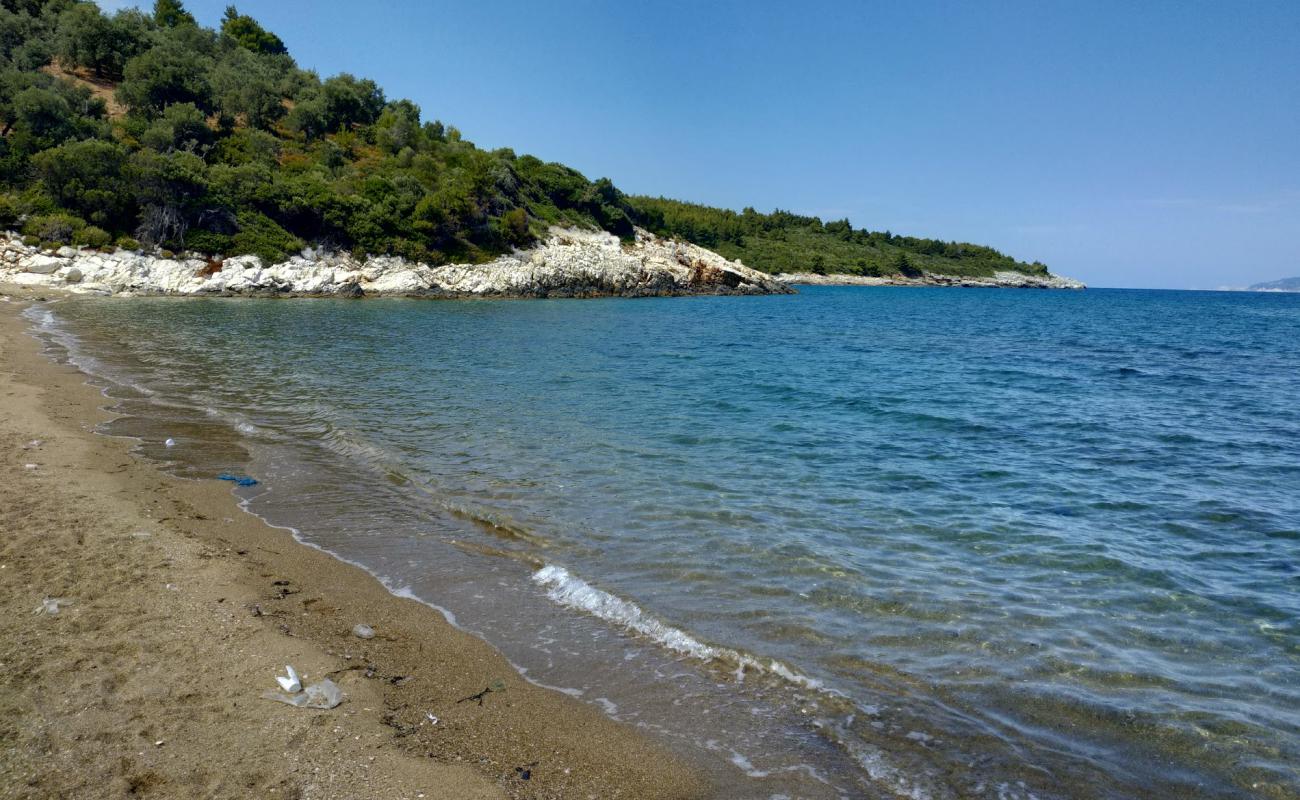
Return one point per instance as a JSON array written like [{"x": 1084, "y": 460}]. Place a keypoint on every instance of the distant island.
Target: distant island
[
  {"x": 148, "y": 133},
  {"x": 1283, "y": 285}
]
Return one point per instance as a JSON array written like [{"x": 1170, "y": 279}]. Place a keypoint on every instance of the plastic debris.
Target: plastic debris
[
  {"x": 363, "y": 631},
  {"x": 170, "y": 442},
  {"x": 291, "y": 682},
  {"x": 237, "y": 480},
  {"x": 50, "y": 605},
  {"x": 29, "y": 466},
  {"x": 432, "y": 719},
  {"x": 323, "y": 695}
]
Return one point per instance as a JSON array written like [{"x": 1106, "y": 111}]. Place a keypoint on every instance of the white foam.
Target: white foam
[
  {"x": 746, "y": 766},
  {"x": 573, "y": 592}
]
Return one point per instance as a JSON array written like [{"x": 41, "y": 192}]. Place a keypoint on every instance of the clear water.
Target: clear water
[{"x": 855, "y": 542}]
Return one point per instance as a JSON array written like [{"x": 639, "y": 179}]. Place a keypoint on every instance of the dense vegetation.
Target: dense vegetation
[
  {"x": 785, "y": 242},
  {"x": 147, "y": 129}
]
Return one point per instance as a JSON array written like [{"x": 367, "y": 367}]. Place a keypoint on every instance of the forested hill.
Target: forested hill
[
  {"x": 147, "y": 129},
  {"x": 785, "y": 242}
]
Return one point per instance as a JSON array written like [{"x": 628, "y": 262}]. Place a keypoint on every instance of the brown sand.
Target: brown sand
[{"x": 184, "y": 608}]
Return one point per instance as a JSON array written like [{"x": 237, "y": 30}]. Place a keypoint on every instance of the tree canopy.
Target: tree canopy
[{"x": 146, "y": 126}]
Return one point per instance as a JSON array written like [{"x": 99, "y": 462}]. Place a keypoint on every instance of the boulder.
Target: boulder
[{"x": 43, "y": 264}]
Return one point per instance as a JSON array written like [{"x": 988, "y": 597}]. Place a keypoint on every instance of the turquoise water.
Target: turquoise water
[{"x": 854, "y": 542}]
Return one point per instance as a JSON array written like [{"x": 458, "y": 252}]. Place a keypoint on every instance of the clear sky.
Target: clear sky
[{"x": 1151, "y": 144}]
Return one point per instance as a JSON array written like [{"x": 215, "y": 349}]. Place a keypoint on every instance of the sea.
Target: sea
[{"x": 877, "y": 542}]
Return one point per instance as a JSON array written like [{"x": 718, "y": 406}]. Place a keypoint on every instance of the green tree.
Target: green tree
[
  {"x": 87, "y": 38},
  {"x": 181, "y": 127},
  {"x": 903, "y": 266},
  {"x": 87, "y": 177},
  {"x": 246, "y": 88},
  {"x": 171, "y": 14},
  {"x": 338, "y": 103},
  {"x": 398, "y": 126},
  {"x": 44, "y": 115},
  {"x": 171, "y": 187},
  {"x": 165, "y": 75},
  {"x": 247, "y": 33}
]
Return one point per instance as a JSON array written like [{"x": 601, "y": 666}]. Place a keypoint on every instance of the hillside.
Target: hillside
[
  {"x": 785, "y": 242},
  {"x": 1283, "y": 285},
  {"x": 148, "y": 130}
]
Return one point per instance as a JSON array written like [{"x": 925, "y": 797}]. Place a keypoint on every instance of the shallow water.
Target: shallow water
[{"x": 854, "y": 542}]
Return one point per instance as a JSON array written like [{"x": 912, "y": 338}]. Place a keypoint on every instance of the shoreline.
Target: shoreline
[
  {"x": 999, "y": 280},
  {"x": 150, "y": 681},
  {"x": 569, "y": 263}
]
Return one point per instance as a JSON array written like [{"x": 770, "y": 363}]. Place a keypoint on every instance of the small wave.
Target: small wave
[{"x": 573, "y": 592}]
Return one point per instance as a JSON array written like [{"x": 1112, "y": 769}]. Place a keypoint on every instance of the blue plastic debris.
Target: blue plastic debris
[{"x": 237, "y": 480}]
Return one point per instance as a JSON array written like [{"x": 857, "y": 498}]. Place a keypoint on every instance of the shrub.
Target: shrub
[
  {"x": 58, "y": 228},
  {"x": 8, "y": 211},
  {"x": 32, "y": 241},
  {"x": 87, "y": 177},
  {"x": 513, "y": 227},
  {"x": 208, "y": 242},
  {"x": 90, "y": 236},
  {"x": 167, "y": 74},
  {"x": 167, "y": 254},
  {"x": 261, "y": 236},
  {"x": 127, "y": 243}
]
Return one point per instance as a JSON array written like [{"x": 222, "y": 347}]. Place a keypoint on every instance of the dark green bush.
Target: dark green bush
[
  {"x": 261, "y": 236},
  {"x": 203, "y": 241},
  {"x": 8, "y": 212},
  {"x": 58, "y": 228},
  {"x": 127, "y": 243},
  {"x": 91, "y": 236}
]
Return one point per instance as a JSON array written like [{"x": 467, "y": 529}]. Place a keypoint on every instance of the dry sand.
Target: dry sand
[{"x": 183, "y": 609}]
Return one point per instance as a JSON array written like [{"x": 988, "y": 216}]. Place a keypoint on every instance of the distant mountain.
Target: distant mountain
[{"x": 1284, "y": 285}]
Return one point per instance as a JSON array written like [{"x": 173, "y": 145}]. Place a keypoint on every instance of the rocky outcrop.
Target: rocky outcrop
[
  {"x": 1000, "y": 280},
  {"x": 569, "y": 263}
]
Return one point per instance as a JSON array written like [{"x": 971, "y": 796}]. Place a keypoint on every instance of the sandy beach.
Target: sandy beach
[{"x": 178, "y": 612}]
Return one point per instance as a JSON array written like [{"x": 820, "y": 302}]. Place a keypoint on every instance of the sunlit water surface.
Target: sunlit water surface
[{"x": 884, "y": 542}]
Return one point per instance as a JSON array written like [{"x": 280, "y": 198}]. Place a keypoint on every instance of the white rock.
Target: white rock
[
  {"x": 43, "y": 264},
  {"x": 570, "y": 262}
]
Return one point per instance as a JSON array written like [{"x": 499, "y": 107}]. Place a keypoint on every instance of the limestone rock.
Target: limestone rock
[
  {"x": 1001, "y": 280},
  {"x": 43, "y": 264},
  {"x": 569, "y": 263}
]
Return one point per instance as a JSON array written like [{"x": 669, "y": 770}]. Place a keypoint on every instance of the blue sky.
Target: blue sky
[{"x": 1152, "y": 144}]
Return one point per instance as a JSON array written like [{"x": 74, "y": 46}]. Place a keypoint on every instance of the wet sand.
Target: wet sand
[{"x": 182, "y": 609}]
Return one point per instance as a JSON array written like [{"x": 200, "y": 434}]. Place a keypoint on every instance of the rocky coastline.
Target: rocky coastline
[
  {"x": 569, "y": 263},
  {"x": 999, "y": 280}
]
